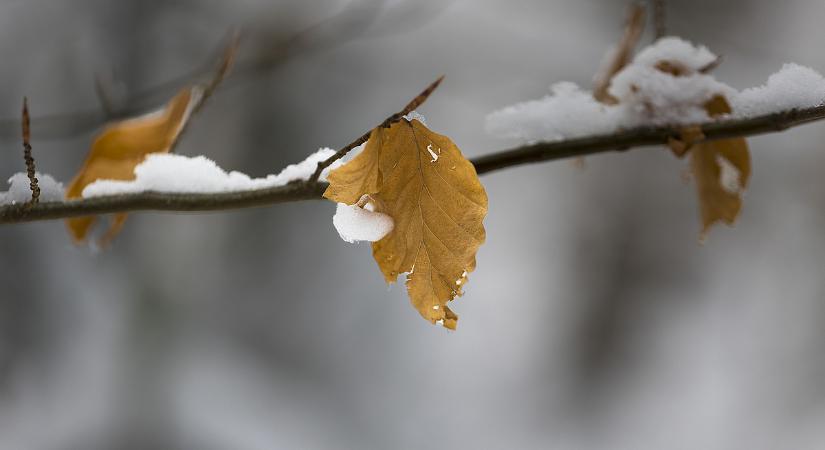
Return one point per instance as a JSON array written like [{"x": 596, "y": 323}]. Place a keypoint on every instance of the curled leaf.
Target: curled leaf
[{"x": 122, "y": 145}]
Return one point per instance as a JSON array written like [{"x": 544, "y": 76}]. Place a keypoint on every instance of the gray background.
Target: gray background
[{"x": 594, "y": 319}]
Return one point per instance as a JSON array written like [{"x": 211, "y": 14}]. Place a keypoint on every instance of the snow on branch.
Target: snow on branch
[
  {"x": 658, "y": 94},
  {"x": 164, "y": 172},
  {"x": 300, "y": 190},
  {"x": 666, "y": 84}
]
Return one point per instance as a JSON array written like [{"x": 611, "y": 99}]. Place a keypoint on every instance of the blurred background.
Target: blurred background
[{"x": 594, "y": 320}]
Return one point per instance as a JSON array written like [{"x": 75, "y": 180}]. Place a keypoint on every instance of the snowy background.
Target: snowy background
[{"x": 594, "y": 319}]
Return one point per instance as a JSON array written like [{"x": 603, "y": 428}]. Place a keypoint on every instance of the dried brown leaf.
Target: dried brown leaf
[
  {"x": 432, "y": 192},
  {"x": 721, "y": 169},
  {"x": 123, "y": 145}
]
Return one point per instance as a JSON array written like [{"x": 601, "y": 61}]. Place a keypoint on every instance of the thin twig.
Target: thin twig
[
  {"x": 659, "y": 23},
  {"x": 307, "y": 190},
  {"x": 104, "y": 95},
  {"x": 711, "y": 66},
  {"x": 411, "y": 106},
  {"x": 221, "y": 71},
  {"x": 27, "y": 156},
  {"x": 224, "y": 66}
]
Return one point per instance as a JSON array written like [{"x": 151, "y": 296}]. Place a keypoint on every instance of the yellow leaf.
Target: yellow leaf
[
  {"x": 421, "y": 180},
  {"x": 123, "y": 145},
  {"x": 721, "y": 169}
]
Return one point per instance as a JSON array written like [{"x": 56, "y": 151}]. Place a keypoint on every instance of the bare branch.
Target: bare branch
[{"x": 307, "y": 190}]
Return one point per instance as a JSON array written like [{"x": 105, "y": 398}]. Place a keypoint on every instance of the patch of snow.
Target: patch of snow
[
  {"x": 161, "y": 172},
  {"x": 414, "y": 115},
  {"x": 305, "y": 168},
  {"x": 348, "y": 157},
  {"x": 360, "y": 224},
  {"x": 794, "y": 86},
  {"x": 649, "y": 96},
  {"x": 675, "y": 49},
  {"x": 20, "y": 192},
  {"x": 567, "y": 112},
  {"x": 728, "y": 176}
]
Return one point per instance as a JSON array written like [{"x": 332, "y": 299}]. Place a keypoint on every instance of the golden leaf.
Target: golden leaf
[
  {"x": 721, "y": 169},
  {"x": 123, "y": 145},
  {"x": 421, "y": 180}
]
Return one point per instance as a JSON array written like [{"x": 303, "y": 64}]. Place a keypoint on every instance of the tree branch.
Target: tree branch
[
  {"x": 637, "y": 137},
  {"x": 306, "y": 190}
]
